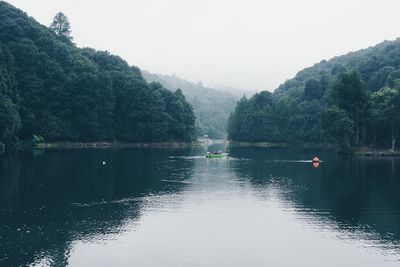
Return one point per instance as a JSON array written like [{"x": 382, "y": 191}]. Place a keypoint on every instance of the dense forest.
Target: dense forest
[
  {"x": 348, "y": 101},
  {"x": 211, "y": 106},
  {"x": 51, "y": 89}
]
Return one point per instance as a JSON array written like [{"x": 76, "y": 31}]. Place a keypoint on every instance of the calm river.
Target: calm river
[{"x": 173, "y": 207}]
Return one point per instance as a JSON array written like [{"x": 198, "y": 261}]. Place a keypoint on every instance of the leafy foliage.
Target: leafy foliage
[
  {"x": 258, "y": 119},
  {"x": 349, "y": 94},
  {"x": 61, "y": 27},
  {"x": 350, "y": 100},
  {"x": 385, "y": 110},
  {"x": 337, "y": 126},
  {"x": 51, "y": 88}
]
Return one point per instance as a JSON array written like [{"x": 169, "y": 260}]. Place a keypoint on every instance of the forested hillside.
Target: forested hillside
[
  {"x": 351, "y": 100},
  {"x": 51, "y": 88},
  {"x": 211, "y": 107}
]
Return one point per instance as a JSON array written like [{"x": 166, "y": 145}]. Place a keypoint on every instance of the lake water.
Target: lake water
[{"x": 165, "y": 207}]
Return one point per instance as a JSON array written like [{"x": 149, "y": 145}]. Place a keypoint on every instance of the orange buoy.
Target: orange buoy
[{"x": 315, "y": 159}]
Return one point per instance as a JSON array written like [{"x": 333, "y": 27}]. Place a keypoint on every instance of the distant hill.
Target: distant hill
[
  {"x": 211, "y": 107},
  {"x": 378, "y": 66},
  {"x": 50, "y": 88},
  {"x": 350, "y": 100}
]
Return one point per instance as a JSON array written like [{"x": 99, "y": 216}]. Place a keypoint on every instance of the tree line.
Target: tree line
[
  {"x": 349, "y": 101},
  {"x": 51, "y": 88}
]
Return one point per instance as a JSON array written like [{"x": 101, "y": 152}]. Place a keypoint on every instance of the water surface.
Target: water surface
[{"x": 162, "y": 207}]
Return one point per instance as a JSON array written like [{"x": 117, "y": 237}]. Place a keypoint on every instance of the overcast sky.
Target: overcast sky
[{"x": 249, "y": 44}]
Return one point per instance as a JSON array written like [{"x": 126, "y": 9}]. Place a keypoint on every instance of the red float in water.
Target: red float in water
[{"x": 315, "y": 159}]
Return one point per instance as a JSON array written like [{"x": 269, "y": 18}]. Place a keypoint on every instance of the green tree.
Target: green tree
[
  {"x": 256, "y": 119},
  {"x": 237, "y": 119},
  {"x": 262, "y": 120},
  {"x": 304, "y": 122},
  {"x": 313, "y": 90},
  {"x": 9, "y": 120},
  {"x": 61, "y": 27},
  {"x": 385, "y": 112},
  {"x": 348, "y": 93},
  {"x": 337, "y": 126}
]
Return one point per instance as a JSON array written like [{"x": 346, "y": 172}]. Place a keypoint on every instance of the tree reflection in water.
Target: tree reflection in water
[
  {"x": 49, "y": 199},
  {"x": 359, "y": 195}
]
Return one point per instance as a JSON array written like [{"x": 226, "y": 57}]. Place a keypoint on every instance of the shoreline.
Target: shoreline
[
  {"x": 374, "y": 152},
  {"x": 117, "y": 144},
  {"x": 278, "y": 144},
  {"x": 258, "y": 144},
  {"x": 356, "y": 151},
  {"x": 108, "y": 145},
  {"x": 362, "y": 151}
]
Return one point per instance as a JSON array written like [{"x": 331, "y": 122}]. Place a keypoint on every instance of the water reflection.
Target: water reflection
[
  {"x": 159, "y": 207},
  {"x": 52, "y": 198},
  {"x": 358, "y": 196}
]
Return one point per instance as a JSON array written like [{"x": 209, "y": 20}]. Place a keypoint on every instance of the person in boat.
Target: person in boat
[{"x": 214, "y": 153}]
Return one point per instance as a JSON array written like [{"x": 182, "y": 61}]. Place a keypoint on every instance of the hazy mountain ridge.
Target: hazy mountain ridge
[{"x": 212, "y": 107}]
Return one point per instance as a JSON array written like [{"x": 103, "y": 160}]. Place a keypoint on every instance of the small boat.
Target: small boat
[{"x": 216, "y": 155}]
